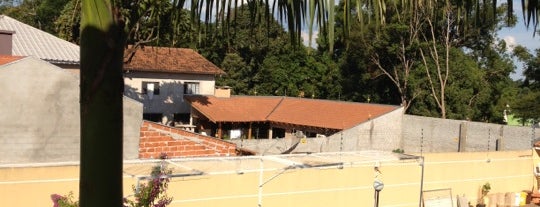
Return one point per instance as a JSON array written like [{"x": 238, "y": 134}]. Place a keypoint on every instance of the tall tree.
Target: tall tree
[
  {"x": 38, "y": 13},
  {"x": 441, "y": 59},
  {"x": 526, "y": 104}
]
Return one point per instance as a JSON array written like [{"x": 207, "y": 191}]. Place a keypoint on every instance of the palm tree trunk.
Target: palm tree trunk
[{"x": 101, "y": 87}]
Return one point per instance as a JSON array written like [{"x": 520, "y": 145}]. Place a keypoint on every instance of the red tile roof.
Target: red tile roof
[
  {"x": 288, "y": 110},
  {"x": 8, "y": 58},
  {"x": 157, "y": 139},
  {"x": 170, "y": 60},
  {"x": 234, "y": 109}
]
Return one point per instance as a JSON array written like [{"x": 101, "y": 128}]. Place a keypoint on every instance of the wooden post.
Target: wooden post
[
  {"x": 220, "y": 131},
  {"x": 270, "y": 133},
  {"x": 249, "y": 131}
]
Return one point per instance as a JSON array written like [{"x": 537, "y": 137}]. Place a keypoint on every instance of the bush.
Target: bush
[
  {"x": 64, "y": 201},
  {"x": 152, "y": 193}
]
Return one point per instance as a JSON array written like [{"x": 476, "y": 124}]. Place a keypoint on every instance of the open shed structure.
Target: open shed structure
[{"x": 278, "y": 117}]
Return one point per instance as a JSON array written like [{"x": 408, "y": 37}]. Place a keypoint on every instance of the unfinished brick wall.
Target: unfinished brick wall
[{"x": 157, "y": 139}]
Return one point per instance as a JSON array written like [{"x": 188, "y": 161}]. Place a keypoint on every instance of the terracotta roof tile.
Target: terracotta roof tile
[
  {"x": 325, "y": 113},
  {"x": 235, "y": 108},
  {"x": 170, "y": 60},
  {"x": 8, "y": 58},
  {"x": 297, "y": 111}
]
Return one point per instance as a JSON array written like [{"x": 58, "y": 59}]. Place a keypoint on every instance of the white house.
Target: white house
[{"x": 160, "y": 77}]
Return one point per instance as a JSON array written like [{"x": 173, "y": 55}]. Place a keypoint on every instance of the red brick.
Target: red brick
[
  {"x": 151, "y": 133},
  {"x": 144, "y": 155},
  {"x": 160, "y": 139},
  {"x": 189, "y": 147},
  {"x": 176, "y": 143}
]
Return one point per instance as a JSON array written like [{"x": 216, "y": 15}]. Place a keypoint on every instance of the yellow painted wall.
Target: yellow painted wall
[{"x": 463, "y": 173}]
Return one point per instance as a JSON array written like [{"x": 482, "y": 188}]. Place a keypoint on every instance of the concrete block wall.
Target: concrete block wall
[
  {"x": 39, "y": 113},
  {"x": 157, "y": 139},
  {"x": 40, "y": 120},
  {"x": 426, "y": 134},
  {"x": 516, "y": 137},
  {"x": 275, "y": 146},
  {"x": 483, "y": 136},
  {"x": 379, "y": 133},
  {"x": 133, "y": 113}
]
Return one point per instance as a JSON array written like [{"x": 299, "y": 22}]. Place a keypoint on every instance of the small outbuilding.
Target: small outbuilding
[{"x": 270, "y": 117}]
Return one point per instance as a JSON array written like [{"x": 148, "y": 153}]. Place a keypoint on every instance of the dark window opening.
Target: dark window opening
[
  {"x": 191, "y": 88},
  {"x": 278, "y": 133},
  {"x": 150, "y": 86},
  {"x": 155, "y": 117},
  {"x": 181, "y": 118}
]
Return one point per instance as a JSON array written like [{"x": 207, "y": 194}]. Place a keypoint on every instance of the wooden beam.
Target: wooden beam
[
  {"x": 220, "y": 130},
  {"x": 249, "y": 131}
]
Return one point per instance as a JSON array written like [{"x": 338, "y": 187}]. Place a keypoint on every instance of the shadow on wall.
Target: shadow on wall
[
  {"x": 166, "y": 93},
  {"x": 162, "y": 101},
  {"x": 163, "y": 97}
]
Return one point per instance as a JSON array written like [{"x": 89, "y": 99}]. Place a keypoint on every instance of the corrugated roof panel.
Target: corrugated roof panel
[{"x": 30, "y": 41}]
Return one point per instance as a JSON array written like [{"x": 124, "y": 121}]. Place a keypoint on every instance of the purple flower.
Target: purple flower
[{"x": 55, "y": 198}]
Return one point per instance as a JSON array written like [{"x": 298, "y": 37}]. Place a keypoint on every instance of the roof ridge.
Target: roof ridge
[{"x": 274, "y": 109}]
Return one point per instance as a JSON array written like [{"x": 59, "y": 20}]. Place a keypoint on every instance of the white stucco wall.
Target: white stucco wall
[{"x": 170, "y": 99}]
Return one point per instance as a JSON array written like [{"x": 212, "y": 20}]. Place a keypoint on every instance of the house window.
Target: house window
[
  {"x": 191, "y": 88},
  {"x": 150, "y": 86}
]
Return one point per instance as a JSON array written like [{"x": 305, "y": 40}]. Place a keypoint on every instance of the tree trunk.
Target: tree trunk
[{"x": 101, "y": 87}]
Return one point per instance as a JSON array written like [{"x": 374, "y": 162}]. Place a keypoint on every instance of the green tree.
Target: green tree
[
  {"x": 237, "y": 74},
  {"x": 38, "y": 13},
  {"x": 526, "y": 106},
  {"x": 531, "y": 69},
  {"x": 261, "y": 60},
  {"x": 526, "y": 103},
  {"x": 155, "y": 22}
]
